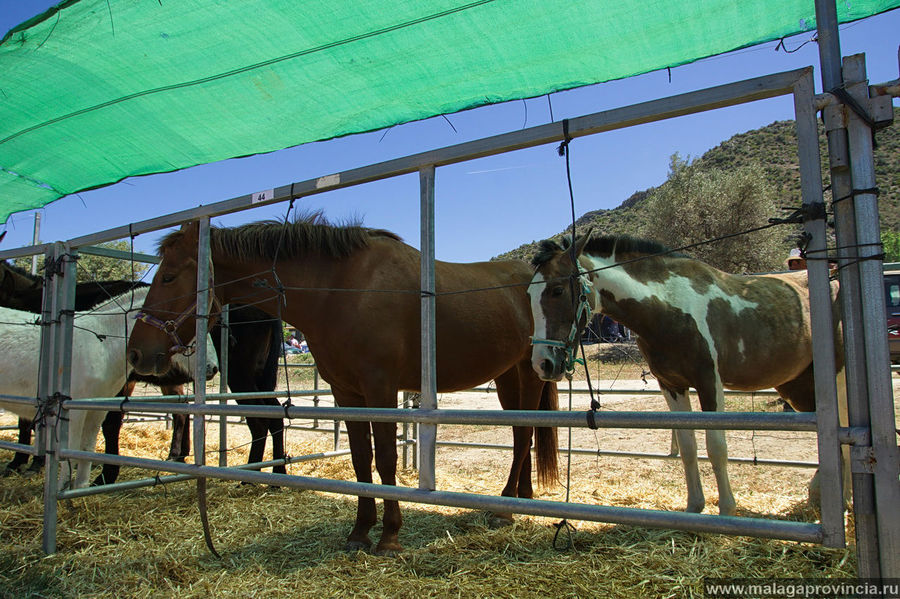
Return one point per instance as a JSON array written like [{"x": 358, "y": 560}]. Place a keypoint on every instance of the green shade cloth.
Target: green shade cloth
[{"x": 93, "y": 91}]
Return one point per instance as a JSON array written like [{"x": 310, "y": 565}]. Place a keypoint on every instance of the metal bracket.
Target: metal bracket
[{"x": 862, "y": 460}]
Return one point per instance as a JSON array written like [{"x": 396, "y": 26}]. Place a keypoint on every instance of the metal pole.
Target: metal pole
[
  {"x": 58, "y": 379},
  {"x": 851, "y": 296},
  {"x": 427, "y": 432},
  {"x": 882, "y": 456},
  {"x": 223, "y": 384},
  {"x": 47, "y": 438},
  {"x": 203, "y": 291},
  {"x": 822, "y": 324},
  {"x": 405, "y": 434},
  {"x": 36, "y": 239}
]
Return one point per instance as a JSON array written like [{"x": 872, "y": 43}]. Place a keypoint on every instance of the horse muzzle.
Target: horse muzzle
[
  {"x": 549, "y": 362},
  {"x": 149, "y": 365}
]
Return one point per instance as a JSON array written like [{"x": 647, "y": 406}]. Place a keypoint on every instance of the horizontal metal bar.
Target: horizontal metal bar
[
  {"x": 703, "y": 523},
  {"x": 767, "y": 392},
  {"x": 19, "y": 400},
  {"x": 188, "y": 397},
  {"x": 730, "y": 94},
  {"x": 18, "y": 447},
  {"x": 796, "y": 421},
  {"x": 633, "y": 454},
  {"x": 25, "y": 250},
  {"x": 118, "y": 254},
  {"x": 163, "y": 480}
]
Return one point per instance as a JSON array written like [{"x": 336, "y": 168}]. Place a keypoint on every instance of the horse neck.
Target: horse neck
[
  {"x": 620, "y": 291},
  {"x": 253, "y": 282}
]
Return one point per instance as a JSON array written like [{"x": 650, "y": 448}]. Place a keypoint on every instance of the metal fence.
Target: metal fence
[{"x": 871, "y": 411}]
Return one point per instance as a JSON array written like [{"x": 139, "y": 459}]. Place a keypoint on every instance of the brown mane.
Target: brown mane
[{"x": 265, "y": 239}]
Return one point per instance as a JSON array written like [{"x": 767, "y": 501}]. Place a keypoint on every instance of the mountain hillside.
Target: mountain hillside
[{"x": 774, "y": 148}]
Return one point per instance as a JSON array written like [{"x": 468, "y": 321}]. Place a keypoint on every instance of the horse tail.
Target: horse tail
[{"x": 546, "y": 445}]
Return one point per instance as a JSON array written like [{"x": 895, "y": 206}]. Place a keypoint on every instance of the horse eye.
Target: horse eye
[
  {"x": 168, "y": 278},
  {"x": 556, "y": 291}
]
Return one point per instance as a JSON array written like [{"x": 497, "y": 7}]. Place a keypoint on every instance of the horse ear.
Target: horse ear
[
  {"x": 191, "y": 229},
  {"x": 582, "y": 241}
]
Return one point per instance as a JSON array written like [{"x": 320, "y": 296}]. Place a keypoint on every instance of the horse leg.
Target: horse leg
[
  {"x": 259, "y": 430},
  {"x": 712, "y": 398},
  {"x": 520, "y": 469},
  {"x": 83, "y": 429},
  {"x": 385, "y": 434},
  {"x": 717, "y": 450},
  {"x": 678, "y": 401},
  {"x": 361, "y": 456},
  {"x": 276, "y": 430},
  {"x": 112, "y": 426},
  {"x": 20, "y": 459},
  {"x": 180, "y": 446}
]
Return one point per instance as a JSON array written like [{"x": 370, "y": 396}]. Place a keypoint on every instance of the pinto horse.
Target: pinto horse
[
  {"x": 696, "y": 327},
  {"x": 254, "y": 341},
  {"x": 354, "y": 292}
]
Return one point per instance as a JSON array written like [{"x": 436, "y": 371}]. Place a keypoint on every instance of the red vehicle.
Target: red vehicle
[{"x": 892, "y": 301}]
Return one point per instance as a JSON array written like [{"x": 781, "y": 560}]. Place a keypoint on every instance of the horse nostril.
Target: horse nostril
[
  {"x": 547, "y": 365},
  {"x": 134, "y": 356}
]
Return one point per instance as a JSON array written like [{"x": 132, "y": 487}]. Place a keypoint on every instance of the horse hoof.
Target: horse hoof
[
  {"x": 175, "y": 458},
  {"x": 388, "y": 549},
  {"x": 727, "y": 509},
  {"x": 500, "y": 520},
  {"x": 354, "y": 546}
]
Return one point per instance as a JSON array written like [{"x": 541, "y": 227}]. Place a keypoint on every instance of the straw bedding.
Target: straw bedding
[{"x": 286, "y": 543}]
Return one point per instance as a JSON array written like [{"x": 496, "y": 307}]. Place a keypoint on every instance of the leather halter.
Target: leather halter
[
  {"x": 583, "y": 309},
  {"x": 170, "y": 327}
]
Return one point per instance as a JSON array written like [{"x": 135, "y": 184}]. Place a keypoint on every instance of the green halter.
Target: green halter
[{"x": 583, "y": 309}]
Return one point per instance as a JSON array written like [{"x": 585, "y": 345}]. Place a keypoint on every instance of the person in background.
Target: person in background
[{"x": 795, "y": 261}]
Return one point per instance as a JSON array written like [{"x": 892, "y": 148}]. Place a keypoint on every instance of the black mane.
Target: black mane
[{"x": 603, "y": 245}]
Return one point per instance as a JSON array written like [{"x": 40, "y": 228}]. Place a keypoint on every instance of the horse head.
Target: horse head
[
  {"x": 560, "y": 307},
  {"x": 166, "y": 324}
]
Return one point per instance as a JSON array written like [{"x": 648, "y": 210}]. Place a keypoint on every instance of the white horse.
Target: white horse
[{"x": 99, "y": 367}]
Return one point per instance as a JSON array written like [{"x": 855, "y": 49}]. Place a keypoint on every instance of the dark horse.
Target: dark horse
[
  {"x": 696, "y": 326},
  {"x": 254, "y": 346},
  {"x": 481, "y": 335}
]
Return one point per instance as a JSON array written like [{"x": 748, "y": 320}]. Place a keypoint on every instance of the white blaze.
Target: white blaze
[{"x": 536, "y": 290}]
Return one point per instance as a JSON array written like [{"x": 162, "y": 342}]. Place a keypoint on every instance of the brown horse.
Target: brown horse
[
  {"x": 354, "y": 292},
  {"x": 696, "y": 326}
]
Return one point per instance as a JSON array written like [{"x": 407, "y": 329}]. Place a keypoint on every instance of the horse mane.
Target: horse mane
[
  {"x": 119, "y": 303},
  {"x": 603, "y": 245},
  {"x": 19, "y": 270},
  {"x": 268, "y": 238}
]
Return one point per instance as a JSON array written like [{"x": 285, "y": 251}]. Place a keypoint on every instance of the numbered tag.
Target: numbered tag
[{"x": 262, "y": 196}]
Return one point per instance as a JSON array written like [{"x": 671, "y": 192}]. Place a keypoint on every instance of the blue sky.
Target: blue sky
[{"x": 484, "y": 207}]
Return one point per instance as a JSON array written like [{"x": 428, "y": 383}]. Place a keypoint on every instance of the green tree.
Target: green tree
[
  {"x": 99, "y": 268},
  {"x": 890, "y": 240},
  {"x": 697, "y": 205}
]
